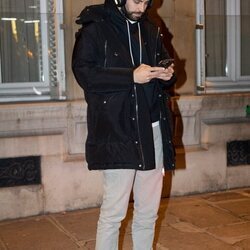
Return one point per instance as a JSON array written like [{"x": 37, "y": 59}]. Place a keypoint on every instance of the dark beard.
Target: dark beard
[{"x": 130, "y": 15}]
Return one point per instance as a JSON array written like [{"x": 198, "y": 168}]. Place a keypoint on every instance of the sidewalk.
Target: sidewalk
[{"x": 208, "y": 221}]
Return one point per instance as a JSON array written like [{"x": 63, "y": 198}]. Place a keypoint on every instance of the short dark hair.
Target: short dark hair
[{"x": 121, "y": 3}]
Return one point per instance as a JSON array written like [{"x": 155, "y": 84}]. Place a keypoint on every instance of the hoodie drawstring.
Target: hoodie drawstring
[{"x": 130, "y": 45}]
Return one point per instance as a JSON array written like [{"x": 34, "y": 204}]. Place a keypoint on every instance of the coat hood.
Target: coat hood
[{"x": 97, "y": 13}]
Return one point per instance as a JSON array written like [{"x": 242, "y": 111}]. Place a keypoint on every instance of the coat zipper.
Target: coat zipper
[
  {"x": 105, "y": 53},
  {"x": 136, "y": 107},
  {"x": 157, "y": 35},
  {"x": 138, "y": 127}
]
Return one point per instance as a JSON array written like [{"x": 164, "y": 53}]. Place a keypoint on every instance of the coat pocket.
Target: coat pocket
[{"x": 109, "y": 117}]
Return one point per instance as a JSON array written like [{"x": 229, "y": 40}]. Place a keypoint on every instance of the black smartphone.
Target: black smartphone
[{"x": 166, "y": 62}]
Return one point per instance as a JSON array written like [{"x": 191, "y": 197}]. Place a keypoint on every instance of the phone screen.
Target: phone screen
[{"x": 166, "y": 62}]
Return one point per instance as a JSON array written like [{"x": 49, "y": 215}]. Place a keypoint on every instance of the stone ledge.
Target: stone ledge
[
  {"x": 36, "y": 120},
  {"x": 228, "y": 120}
]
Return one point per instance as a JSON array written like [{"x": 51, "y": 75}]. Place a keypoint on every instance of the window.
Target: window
[
  {"x": 31, "y": 50},
  {"x": 223, "y": 38}
]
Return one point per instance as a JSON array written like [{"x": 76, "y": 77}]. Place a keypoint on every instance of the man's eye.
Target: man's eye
[{"x": 140, "y": 1}]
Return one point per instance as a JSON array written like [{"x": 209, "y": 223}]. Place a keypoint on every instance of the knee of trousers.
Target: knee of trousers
[
  {"x": 111, "y": 217},
  {"x": 145, "y": 220}
]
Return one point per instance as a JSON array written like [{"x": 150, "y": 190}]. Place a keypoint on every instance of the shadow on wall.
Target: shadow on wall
[
  {"x": 181, "y": 79},
  {"x": 167, "y": 40}
]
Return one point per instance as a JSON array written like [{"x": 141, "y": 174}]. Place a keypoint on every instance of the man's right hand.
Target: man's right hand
[{"x": 145, "y": 73}]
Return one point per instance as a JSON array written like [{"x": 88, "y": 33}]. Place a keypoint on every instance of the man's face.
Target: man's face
[{"x": 135, "y": 9}]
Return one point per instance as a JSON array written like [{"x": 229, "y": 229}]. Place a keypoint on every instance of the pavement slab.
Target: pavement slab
[
  {"x": 244, "y": 244},
  {"x": 35, "y": 234},
  {"x": 224, "y": 196},
  {"x": 174, "y": 239},
  {"x": 81, "y": 224},
  {"x": 202, "y": 215},
  {"x": 246, "y": 217},
  {"x": 125, "y": 242},
  {"x": 187, "y": 228},
  {"x": 232, "y": 233},
  {"x": 199, "y": 222},
  {"x": 246, "y": 191},
  {"x": 89, "y": 245},
  {"x": 166, "y": 218},
  {"x": 240, "y": 208}
]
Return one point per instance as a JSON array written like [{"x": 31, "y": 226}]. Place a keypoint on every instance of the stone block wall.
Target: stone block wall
[{"x": 56, "y": 131}]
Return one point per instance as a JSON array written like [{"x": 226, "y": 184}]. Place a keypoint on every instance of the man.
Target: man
[{"x": 129, "y": 136}]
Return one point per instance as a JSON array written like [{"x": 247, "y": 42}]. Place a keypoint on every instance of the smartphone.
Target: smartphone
[{"x": 166, "y": 62}]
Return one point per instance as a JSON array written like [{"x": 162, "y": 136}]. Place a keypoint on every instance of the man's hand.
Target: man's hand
[{"x": 145, "y": 73}]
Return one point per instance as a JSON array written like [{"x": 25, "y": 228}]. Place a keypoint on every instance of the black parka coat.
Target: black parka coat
[{"x": 120, "y": 134}]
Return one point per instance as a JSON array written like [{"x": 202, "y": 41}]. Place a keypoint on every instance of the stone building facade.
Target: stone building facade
[{"x": 55, "y": 131}]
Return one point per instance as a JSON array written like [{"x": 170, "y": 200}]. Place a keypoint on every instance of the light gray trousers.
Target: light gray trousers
[{"x": 147, "y": 188}]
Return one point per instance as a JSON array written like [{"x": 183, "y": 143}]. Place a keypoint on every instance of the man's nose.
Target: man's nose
[{"x": 142, "y": 7}]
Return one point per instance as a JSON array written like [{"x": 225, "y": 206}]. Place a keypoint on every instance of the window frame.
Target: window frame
[
  {"x": 233, "y": 82},
  {"x": 46, "y": 89}
]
